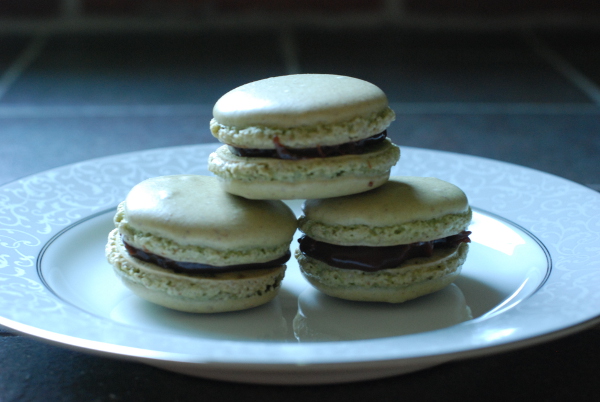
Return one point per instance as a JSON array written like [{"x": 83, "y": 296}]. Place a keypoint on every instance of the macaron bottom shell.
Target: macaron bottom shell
[
  {"x": 414, "y": 278},
  {"x": 211, "y": 293},
  {"x": 303, "y": 189},
  {"x": 271, "y": 178}
]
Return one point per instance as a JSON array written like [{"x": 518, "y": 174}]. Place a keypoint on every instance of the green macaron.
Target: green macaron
[
  {"x": 400, "y": 241},
  {"x": 303, "y": 136},
  {"x": 182, "y": 242}
]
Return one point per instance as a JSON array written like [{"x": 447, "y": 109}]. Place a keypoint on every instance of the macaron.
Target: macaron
[
  {"x": 403, "y": 240},
  {"x": 303, "y": 136},
  {"x": 183, "y": 243}
]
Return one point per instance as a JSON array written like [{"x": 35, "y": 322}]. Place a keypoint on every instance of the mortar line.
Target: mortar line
[
  {"x": 75, "y": 111},
  {"x": 23, "y": 60},
  {"x": 289, "y": 51},
  {"x": 487, "y": 108},
  {"x": 561, "y": 65},
  {"x": 406, "y": 108}
]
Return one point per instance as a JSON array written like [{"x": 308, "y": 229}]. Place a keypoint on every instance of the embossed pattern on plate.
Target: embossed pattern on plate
[{"x": 562, "y": 215}]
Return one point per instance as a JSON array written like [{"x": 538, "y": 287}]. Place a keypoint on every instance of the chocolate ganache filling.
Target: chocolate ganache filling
[
  {"x": 370, "y": 259},
  {"x": 283, "y": 152},
  {"x": 197, "y": 268}
]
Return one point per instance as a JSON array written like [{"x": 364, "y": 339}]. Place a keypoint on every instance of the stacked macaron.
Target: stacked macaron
[
  {"x": 303, "y": 136},
  {"x": 400, "y": 241},
  {"x": 323, "y": 138},
  {"x": 213, "y": 244},
  {"x": 183, "y": 243}
]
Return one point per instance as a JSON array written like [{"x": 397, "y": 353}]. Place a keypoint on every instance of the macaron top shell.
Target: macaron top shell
[
  {"x": 301, "y": 110},
  {"x": 194, "y": 210},
  {"x": 400, "y": 200},
  {"x": 404, "y": 210},
  {"x": 298, "y": 100}
]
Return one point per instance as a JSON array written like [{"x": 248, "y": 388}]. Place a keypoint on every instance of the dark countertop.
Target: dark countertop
[{"x": 529, "y": 98}]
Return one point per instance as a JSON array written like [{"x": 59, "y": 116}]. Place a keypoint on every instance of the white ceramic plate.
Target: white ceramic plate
[{"x": 533, "y": 274}]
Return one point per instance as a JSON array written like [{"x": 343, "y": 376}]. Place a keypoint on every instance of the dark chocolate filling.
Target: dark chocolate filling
[
  {"x": 196, "y": 268},
  {"x": 283, "y": 152},
  {"x": 372, "y": 259}
]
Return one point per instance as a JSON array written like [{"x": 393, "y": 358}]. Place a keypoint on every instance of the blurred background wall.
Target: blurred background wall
[{"x": 19, "y": 15}]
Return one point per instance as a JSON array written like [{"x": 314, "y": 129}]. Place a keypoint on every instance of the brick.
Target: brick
[
  {"x": 143, "y": 7},
  {"x": 501, "y": 8},
  {"x": 299, "y": 5},
  {"x": 29, "y": 8}
]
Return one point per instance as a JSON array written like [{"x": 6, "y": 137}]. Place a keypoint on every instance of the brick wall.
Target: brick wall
[{"x": 11, "y": 10}]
